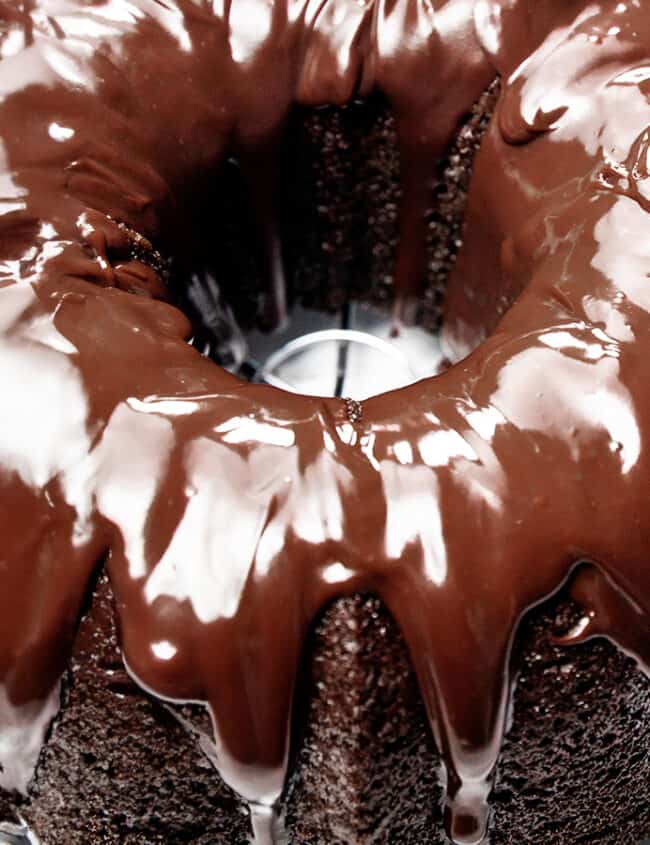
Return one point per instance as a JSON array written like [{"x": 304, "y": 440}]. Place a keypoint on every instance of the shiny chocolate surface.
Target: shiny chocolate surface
[{"x": 229, "y": 514}]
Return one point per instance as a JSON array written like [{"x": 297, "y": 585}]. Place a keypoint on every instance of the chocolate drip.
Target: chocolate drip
[{"x": 230, "y": 513}]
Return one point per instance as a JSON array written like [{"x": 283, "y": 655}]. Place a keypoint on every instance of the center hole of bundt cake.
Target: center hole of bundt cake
[
  {"x": 312, "y": 225},
  {"x": 353, "y": 352}
]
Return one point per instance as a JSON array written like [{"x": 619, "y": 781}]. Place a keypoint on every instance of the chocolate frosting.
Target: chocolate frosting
[{"x": 230, "y": 514}]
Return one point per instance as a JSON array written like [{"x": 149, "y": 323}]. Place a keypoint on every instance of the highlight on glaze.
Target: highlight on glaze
[{"x": 230, "y": 514}]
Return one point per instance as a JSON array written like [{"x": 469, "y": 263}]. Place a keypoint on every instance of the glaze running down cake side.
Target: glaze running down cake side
[{"x": 230, "y": 515}]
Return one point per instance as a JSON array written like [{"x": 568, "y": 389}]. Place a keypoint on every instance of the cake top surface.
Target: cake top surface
[{"x": 230, "y": 514}]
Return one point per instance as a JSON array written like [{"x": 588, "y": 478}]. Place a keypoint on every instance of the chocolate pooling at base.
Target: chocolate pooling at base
[{"x": 230, "y": 514}]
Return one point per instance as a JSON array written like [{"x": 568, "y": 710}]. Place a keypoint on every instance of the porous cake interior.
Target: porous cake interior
[{"x": 335, "y": 223}]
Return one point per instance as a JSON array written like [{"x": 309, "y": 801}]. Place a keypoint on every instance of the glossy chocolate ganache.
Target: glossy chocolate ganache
[{"x": 230, "y": 514}]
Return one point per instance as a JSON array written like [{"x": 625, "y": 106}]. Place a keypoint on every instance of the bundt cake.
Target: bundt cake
[{"x": 230, "y": 613}]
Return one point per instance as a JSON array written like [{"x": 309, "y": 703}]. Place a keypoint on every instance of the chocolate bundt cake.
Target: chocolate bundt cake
[{"x": 230, "y": 613}]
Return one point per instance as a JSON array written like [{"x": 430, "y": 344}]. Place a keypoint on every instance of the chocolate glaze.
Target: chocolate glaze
[{"x": 230, "y": 514}]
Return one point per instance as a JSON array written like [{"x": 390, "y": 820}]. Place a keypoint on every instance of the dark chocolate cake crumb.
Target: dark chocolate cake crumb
[
  {"x": 141, "y": 249},
  {"x": 120, "y": 767},
  {"x": 354, "y": 410},
  {"x": 367, "y": 768},
  {"x": 339, "y": 217}
]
